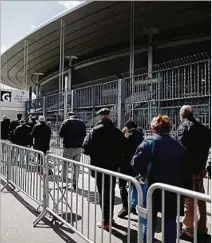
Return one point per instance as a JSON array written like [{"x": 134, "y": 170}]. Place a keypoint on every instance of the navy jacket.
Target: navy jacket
[
  {"x": 169, "y": 165},
  {"x": 73, "y": 132}
]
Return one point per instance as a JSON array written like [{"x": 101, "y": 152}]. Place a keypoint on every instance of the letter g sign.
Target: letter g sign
[{"x": 6, "y": 96}]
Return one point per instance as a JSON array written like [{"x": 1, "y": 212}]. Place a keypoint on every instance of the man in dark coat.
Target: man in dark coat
[
  {"x": 134, "y": 138},
  {"x": 196, "y": 138},
  {"x": 41, "y": 134},
  {"x": 15, "y": 123},
  {"x": 5, "y": 124},
  {"x": 105, "y": 145},
  {"x": 22, "y": 135},
  {"x": 73, "y": 132}
]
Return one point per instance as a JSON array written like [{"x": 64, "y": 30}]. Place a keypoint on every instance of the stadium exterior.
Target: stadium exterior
[{"x": 137, "y": 58}]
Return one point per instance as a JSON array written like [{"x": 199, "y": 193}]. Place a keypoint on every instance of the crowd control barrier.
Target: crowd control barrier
[
  {"x": 49, "y": 180},
  {"x": 180, "y": 192},
  {"x": 23, "y": 168},
  {"x": 78, "y": 208}
]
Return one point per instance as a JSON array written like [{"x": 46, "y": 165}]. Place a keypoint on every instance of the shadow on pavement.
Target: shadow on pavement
[
  {"x": 91, "y": 196},
  {"x": 46, "y": 223}
]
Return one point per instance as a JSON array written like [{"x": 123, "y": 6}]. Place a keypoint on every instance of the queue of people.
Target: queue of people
[
  {"x": 30, "y": 133},
  {"x": 179, "y": 161}
]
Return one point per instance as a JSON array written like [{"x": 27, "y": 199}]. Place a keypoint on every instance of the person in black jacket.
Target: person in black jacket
[
  {"x": 134, "y": 138},
  {"x": 13, "y": 125},
  {"x": 73, "y": 132},
  {"x": 22, "y": 135},
  {"x": 196, "y": 138},
  {"x": 5, "y": 124},
  {"x": 41, "y": 134},
  {"x": 105, "y": 145}
]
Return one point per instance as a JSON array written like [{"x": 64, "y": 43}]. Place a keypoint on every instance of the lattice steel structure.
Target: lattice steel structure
[{"x": 182, "y": 81}]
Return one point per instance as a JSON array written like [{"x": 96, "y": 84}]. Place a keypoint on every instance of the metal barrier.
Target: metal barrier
[
  {"x": 70, "y": 207},
  {"x": 23, "y": 168},
  {"x": 179, "y": 192}
]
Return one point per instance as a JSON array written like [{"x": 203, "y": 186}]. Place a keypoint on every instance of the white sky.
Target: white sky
[{"x": 20, "y": 17}]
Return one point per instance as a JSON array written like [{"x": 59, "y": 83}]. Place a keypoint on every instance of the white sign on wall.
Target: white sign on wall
[{"x": 14, "y": 96}]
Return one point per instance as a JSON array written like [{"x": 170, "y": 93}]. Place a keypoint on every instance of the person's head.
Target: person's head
[
  {"x": 128, "y": 126},
  {"x": 71, "y": 114},
  {"x": 19, "y": 116},
  {"x": 161, "y": 124},
  {"x": 22, "y": 122},
  {"x": 186, "y": 112},
  {"x": 103, "y": 114},
  {"x": 4, "y": 118},
  {"x": 42, "y": 119}
]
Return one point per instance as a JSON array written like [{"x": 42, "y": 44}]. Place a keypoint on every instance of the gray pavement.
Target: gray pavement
[{"x": 18, "y": 213}]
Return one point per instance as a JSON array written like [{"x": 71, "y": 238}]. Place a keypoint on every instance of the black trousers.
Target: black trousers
[
  {"x": 105, "y": 193},
  {"x": 127, "y": 170}
]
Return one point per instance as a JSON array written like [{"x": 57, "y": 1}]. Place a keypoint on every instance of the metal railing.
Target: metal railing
[
  {"x": 47, "y": 181},
  {"x": 164, "y": 188},
  {"x": 23, "y": 168},
  {"x": 66, "y": 204}
]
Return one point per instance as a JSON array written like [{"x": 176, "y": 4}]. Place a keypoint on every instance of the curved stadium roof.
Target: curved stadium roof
[{"x": 94, "y": 30}]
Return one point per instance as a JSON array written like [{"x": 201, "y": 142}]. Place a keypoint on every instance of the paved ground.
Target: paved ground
[{"x": 18, "y": 212}]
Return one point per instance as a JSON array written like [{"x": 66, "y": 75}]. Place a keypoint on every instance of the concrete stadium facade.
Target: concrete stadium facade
[{"x": 155, "y": 54}]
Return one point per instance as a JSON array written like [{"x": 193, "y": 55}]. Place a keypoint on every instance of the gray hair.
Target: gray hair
[{"x": 186, "y": 111}]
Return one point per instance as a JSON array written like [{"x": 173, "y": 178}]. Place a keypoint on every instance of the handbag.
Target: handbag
[{"x": 144, "y": 184}]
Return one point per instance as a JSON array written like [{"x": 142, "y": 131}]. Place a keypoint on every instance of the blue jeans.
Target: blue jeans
[{"x": 170, "y": 229}]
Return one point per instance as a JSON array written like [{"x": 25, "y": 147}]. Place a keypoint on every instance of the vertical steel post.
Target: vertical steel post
[
  {"x": 120, "y": 105},
  {"x": 150, "y": 72},
  {"x": 69, "y": 77},
  {"x": 27, "y": 58},
  {"x": 65, "y": 98},
  {"x": 37, "y": 86},
  {"x": 72, "y": 100},
  {"x": 60, "y": 64},
  {"x": 44, "y": 105},
  {"x": 6, "y": 75},
  {"x": 132, "y": 33}
]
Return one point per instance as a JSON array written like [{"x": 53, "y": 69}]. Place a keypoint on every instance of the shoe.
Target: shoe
[
  {"x": 74, "y": 186},
  {"x": 106, "y": 226},
  {"x": 133, "y": 211},
  {"x": 123, "y": 213},
  {"x": 185, "y": 236}
]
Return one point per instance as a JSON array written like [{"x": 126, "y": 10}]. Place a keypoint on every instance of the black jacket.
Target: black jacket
[
  {"x": 105, "y": 145},
  {"x": 22, "y": 135},
  {"x": 73, "y": 132},
  {"x": 13, "y": 125},
  {"x": 5, "y": 124},
  {"x": 133, "y": 140},
  {"x": 42, "y": 135},
  {"x": 196, "y": 138}
]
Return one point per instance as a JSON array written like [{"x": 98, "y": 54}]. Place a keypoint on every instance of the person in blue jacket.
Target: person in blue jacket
[{"x": 169, "y": 165}]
